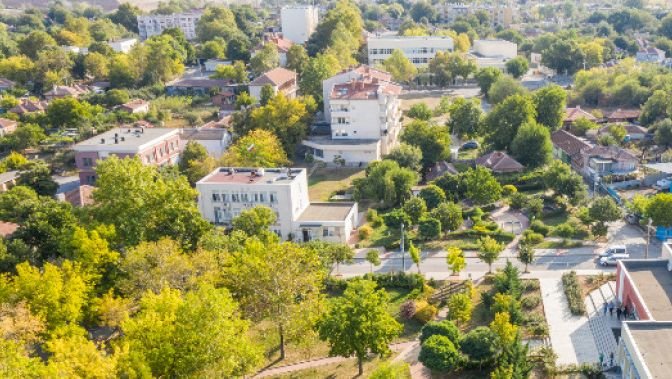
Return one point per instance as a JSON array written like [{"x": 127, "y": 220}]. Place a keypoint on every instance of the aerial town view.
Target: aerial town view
[{"x": 336, "y": 189}]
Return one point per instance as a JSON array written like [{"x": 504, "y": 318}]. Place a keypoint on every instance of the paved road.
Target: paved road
[{"x": 433, "y": 264}]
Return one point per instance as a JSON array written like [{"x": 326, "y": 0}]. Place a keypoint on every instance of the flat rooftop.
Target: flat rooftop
[
  {"x": 326, "y": 212},
  {"x": 653, "y": 341},
  {"x": 246, "y": 175},
  {"x": 126, "y": 137},
  {"x": 654, "y": 284}
]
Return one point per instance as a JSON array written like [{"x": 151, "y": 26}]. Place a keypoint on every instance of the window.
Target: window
[
  {"x": 235, "y": 198},
  {"x": 87, "y": 162},
  {"x": 225, "y": 197},
  {"x": 328, "y": 231},
  {"x": 216, "y": 197},
  {"x": 273, "y": 197},
  {"x": 262, "y": 197},
  {"x": 244, "y": 197},
  {"x": 340, "y": 120}
]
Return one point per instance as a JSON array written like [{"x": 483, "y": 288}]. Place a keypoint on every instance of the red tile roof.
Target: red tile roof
[
  {"x": 364, "y": 89},
  {"x": 29, "y": 106},
  {"x": 624, "y": 114},
  {"x": 573, "y": 114},
  {"x": 80, "y": 196},
  {"x": 6, "y": 123},
  {"x": 7, "y": 228},
  {"x": 276, "y": 77},
  {"x": 134, "y": 104},
  {"x": 499, "y": 161},
  {"x": 568, "y": 142}
]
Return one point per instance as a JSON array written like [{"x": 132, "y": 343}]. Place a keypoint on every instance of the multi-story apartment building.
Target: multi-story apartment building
[
  {"x": 155, "y": 24},
  {"x": 419, "y": 50},
  {"x": 227, "y": 191},
  {"x": 365, "y": 115},
  {"x": 502, "y": 13},
  {"x": 358, "y": 73},
  {"x": 155, "y": 146},
  {"x": 298, "y": 22}
]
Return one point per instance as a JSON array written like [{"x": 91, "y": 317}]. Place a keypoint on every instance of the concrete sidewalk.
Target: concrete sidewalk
[{"x": 571, "y": 337}]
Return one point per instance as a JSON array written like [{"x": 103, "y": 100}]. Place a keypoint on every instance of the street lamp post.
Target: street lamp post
[
  {"x": 648, "y": 237},
  {"x": 403, "y": 258}
]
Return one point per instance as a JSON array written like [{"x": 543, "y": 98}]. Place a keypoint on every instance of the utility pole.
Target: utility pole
[
  {"x": 648, "y": 237},
  {"x": 403, "y": 260}
]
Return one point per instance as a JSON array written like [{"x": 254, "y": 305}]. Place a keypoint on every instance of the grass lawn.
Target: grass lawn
[
  {"x": 555, "y": 219},
  {"x": 467, "y": 154},
  {"x": 561, "y": 244},
  {"x": 381, "y": 236},
  {"x": 481, "y": 315},
  {"x": 346, "y": 369},
  {"x": 327, "y": 180},
  {"x": 465, "y": 243},
  {"x": 411, "y": 327}
]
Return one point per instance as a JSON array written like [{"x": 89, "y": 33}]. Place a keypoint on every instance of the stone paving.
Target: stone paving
[
  {"x": 571, "y": 336},
  {"x": 601, "y": 324}
]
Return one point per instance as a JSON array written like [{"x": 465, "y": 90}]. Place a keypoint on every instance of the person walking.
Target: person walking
[
  {"x": 611, "y": 359},
  {"x": 625, "y": 312},
  {"x": 611, "y": 308},
  {"x": 618, "y": 314},
  {"x": 604, "y": 308}
]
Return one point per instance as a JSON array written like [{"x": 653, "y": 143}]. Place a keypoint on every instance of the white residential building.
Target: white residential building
[
  {"x": 227, "y": 191},
  {"x": 123, "y": 45},
  {"x": 155, "y": 24},
  {"x": 365, "y": 115},
  {"x": 495, "y": 48},
  {"x": 357, "y": 73},
  {"x": 298, "y": 22},
  {"x": 419, "y": 50}
]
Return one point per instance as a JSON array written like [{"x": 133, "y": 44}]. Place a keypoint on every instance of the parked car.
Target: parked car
[
  {"x": 611, "y": 250},
  {"x": 613, "y": 259},
  {"x": 664, "y": 184},
  {"x": 470, "y": 145}
]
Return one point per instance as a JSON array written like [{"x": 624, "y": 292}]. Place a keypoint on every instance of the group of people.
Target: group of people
[{"x": 622, "y": 311}]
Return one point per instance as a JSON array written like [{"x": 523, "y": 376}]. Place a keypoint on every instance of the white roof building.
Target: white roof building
[{"x": 419, "y": 50}]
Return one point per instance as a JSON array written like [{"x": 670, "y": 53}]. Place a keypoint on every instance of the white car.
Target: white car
[
  {"x": 611, "y": 250},
  {"x": 613, "y": 259},
  {"x": 664, "y": 184}
]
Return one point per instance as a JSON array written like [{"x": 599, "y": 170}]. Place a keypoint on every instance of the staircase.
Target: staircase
[{"x": 601, "y": 324}]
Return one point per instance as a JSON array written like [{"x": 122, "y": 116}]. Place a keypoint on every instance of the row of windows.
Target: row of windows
[
  {"x": 224, "y": 215},
  {"x": 252, "y": 197},
  {"x": 408, "y": 51},
  {"x": 160, "y": 152}
]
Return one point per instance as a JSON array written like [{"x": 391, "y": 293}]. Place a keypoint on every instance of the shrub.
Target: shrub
[
  {"x": 386, "y": 280},
  {"x": 564, "y": 230},
  {"x": 440, "y": 354},
  {"x": 364, "y": 232},
  {"x": 509, "y": 189},
  {"x": 529, "y": 285},
  {"x": 539, "y": 227},
  {"x": 407, "y": 309},
  {"x": 570, "y": 282},
  {"x": 444, "y": 328},
  {"x": 532, "y": 238},
  {"x": 387, "y": 370},
  {"x": 480, "y": 344},
  {"x": 374, "y": 218},
  {"x": 530, "y": 302},
  {"x": 425, "y": 312},
  {"x": 518, "y": 200},
  {"x": 429, "y": 228}
]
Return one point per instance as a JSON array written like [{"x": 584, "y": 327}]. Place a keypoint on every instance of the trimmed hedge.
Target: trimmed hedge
[
  {"x": 570, "y": 282},
  {"x": 412, "y": 281}
]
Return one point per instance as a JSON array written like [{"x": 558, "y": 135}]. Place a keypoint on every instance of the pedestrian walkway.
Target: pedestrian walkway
[
  {"x": 571, "y": 337},
  {"x": 601, "y": 322}
]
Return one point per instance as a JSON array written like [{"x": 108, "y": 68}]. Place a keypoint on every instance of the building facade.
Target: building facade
[
  {"x": 228, "y": 191},
  {"x": 298, "y": 22},
  {"x": 495, "y": 48},
  {"x": 365, "y": 118},
  {"x": 418, "y": 50},
  {"x": 280, "y": 79},
  {"x": 154, "y": 146},
  {"x": 152, "y": 25}
]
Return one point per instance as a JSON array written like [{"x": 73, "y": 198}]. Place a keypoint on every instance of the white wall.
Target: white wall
[
  {"x": 298, "y": 22},
  {"x": 495, "y": 48},
  {"x": 419, "y": 50}
]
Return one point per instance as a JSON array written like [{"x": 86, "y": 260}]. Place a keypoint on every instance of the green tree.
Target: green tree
[
  {"x": 37, "y": 176},
  {"x": 438, "y": 353},
  {"x": 397, "y": 370},
  {"x": 480, "y": 345},
  {"x": 76, "y": 356},
  {"x": 517, "y": 66},
  {"x": 459, "y": 308},
  {"x": 489, "y": 250},
  {"x": 358, "y": 323},
  {"x": 505, "y": 303},
  {"x": 550, "y": 102},
  {"x": 433, "y": 195},
  {"x": 502, "y": 123},
  {"x": 429, "y": 228},
  {"x": 532, "y": 145},
  {"x": 195, "y": 162},
  {"x": 126, "y": 15},
  {"x": 482, "y": 187},
  {"x": 318, "y": 69},
  {"x": 336, "y": 253},
  {"x": 254, "y": 221},
  {"x": 564, "y": 56},
  {"x": 659, "y": 209},
  {"x": 266, "y": 94},
  {"x": 455, "y": 259},
  {"x": 161, "y": 58},
  {"x": 235, "y": 72},
  {"x": 345, "y": 13},
  {"x": 394, "y": 219},
  {"x": 420, "y": 111},
  {"x": 180, "y": 335},
  {"x": 663, "y": 135},
  {"x": 162, "y": 204},
  {"x": 423, "y": 10},
  {"x": 447, "y": 66},
  {"x": 450, "y": 216},
  {"x": 297, "y": 58},
  {"x": 415, "y": 208},
  {"x": 415, "y": 254},
  {"x": 465, "y": 117},
  {"x": 259, "y": 148},
  {"x": 486, "y": 77},
  {"x": 407, "y": 156},
  {"x": 373, "y": 257},
  {"x": 265, "y": 59},
  {"x": 445, "y": 328},
  {"x": 401, "y": 69},
  {"x": 505, "y": 87},
  {"x": 434, "y": 141},
  {"x": 665, "y": 27},
  {"x": 97, "y": 65},
  {"x": 387, "y": 182},
  {"x": 214, "y": 49},
  {"x": 525, "y": 254},
  {"x": 654, "y": 109},
  {"x": 115, "y": 97},
  {"x": 278, "y": 282},
  {"x": 68, "y": 112},
  {"x": 603, "y": 210},
  {"x": 36, "y": 42}
]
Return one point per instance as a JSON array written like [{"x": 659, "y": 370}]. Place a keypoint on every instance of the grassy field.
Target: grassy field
[
  {"x": 327, "y": 180},
  {"x": 343, "y": 370}
]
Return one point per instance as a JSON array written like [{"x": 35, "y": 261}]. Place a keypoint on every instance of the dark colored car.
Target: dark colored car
[{"x": 469, "y": 145}]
